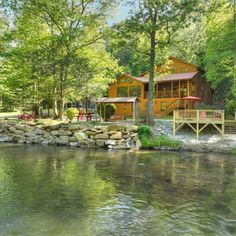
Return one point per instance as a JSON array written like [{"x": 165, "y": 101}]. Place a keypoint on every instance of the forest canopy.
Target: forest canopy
[{"x": 57, "y": 51}]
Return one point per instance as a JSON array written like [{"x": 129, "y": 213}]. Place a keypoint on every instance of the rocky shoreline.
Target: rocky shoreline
[
  {"x": 108, "y": 136},
  {"x": 66, "y": 134}
]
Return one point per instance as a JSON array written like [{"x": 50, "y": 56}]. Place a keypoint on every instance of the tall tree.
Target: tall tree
[{"x": 158, "y": 21}]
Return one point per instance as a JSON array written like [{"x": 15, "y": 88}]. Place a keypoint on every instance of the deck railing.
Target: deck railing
[
  {"x": 198, "y": 120},
  {"x": 199, "y": 116}
]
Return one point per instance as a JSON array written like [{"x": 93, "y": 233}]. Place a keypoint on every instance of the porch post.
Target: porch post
[
  {"x": 172, "y": 86},
  {"x": 188, "y": 88},
  {"x": 179, "y": 89}
]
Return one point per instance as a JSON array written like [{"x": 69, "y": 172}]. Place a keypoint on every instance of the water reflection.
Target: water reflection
[{"x": 59, "y": 191}]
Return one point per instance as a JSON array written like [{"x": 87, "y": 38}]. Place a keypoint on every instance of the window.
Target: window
[
  {"x": 135, "y": 91},
  {"x": 122, "y": 92},
  {"x": 163, "y": 106},
  {"x": 185, "y": 70}
]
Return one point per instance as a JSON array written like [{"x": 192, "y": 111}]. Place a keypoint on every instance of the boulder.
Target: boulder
[
  {"x": 38, "y": 131},
  {"x": 80, "y": 136},
  {"x": 110, "y": 142},
  {"x": 73, "y": 127},
  {"x": 101, "y": 136},
  {"x": 132, "y": 128},
  {"x": 12, "y": 129},
  {"x": 63, "y": 140},
  {"x": 117, "y": 136},
  {"x": 74, "y": 144},
  {"x": 100, "y": 142},
  {"x": 54, "y": 127},
  {"x": 24, "y": 128},
  {"x": 116, "y": 128},
  {"x": 5, "y": 138},
  {"x": 73, "y": 139}
]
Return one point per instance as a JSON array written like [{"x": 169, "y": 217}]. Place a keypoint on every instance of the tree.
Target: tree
[
  {"x": 55, "y": 40},
  {"x": 158, "y": 21}
]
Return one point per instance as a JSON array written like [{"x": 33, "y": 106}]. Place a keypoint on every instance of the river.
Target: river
[{"x": 56, "y": 191}]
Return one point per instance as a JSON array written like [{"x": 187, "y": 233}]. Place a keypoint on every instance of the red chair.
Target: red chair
[
  {"x": 89, "y": 116},
  {"x": 80, "y": 115}
]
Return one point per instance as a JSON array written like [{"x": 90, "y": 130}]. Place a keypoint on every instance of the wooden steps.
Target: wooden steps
[{"x": 230, "y": 127}]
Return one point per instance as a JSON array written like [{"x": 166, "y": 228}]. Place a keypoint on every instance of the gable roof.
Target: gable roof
[
  {"x": 117, "y": 100},
  {"x": 171, "y": 77},
  {"x": 173, "y": 59}
]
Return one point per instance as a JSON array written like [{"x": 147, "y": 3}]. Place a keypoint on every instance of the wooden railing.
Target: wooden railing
[
  {"x": 199, "y": 115},
  {"x": 198, "y": 120}
]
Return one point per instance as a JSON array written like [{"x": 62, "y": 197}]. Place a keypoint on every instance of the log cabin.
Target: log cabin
[{"x": 180, "y": 79}]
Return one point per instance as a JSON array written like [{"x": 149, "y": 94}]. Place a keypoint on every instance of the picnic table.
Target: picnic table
[
  {"x": 26, "y": 116},
  {"x": 87, "y": 115}
]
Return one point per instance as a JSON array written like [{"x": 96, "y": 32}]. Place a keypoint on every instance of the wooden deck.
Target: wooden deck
[{"x": 198, "y": 120}]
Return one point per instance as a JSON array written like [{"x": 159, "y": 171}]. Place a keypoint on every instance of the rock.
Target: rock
[
  {"x": 1, "y": 131},
  {"x": 80, "y": 136},
  {"x": 121, "y": 146},
  {"x": 24, "y": 128},
  {"x": 73, "y": 127},
  {"x": 5, "y": 138},
  {"x": 45, "y": 142},
  {"x": 54, "y": 127},
  {"x": 63, "y": 140},
  {"x": 101, "y": 136},
  {"x": 110, "y": 142},
  {"x": 65, "y": 133},
  {"x": 116, "y": 128},
  {"x": 12, "y": 129},
  {"x": 73, "y": 139},
  {"x": 100, "y": 142},
  {"x": 74, "y": 144},
  {"x": 132, "y": 128},
  {"x": 38, "y": 131},
  {"x": 117, "y": 136},
  {"x": 90, "y": 132}
]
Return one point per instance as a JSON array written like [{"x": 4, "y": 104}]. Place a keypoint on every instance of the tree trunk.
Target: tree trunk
[
  {"x": 61, "y": 107},
  {"x": 54, "y": 107},
  {"x": 151, "y": 87}
]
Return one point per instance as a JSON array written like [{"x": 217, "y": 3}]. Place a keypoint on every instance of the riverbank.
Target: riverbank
[
  {"x": 70, "y": 134},
  {"x": 111, "y": 136}
]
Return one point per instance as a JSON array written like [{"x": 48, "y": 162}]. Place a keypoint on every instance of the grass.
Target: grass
[
  {"x": 159, "y": 141},
  {"x": 150, "y": 141}
]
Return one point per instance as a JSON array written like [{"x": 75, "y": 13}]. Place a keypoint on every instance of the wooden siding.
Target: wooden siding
[{"x": 197, "y": 86}]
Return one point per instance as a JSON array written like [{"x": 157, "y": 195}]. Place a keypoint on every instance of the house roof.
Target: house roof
[
  {"x": 172, "y": 77},
  {"x": 117, "y": 100}
]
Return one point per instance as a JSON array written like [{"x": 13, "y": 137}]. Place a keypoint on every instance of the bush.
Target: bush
[
  {"x": 71, "y": 112},
  {"x": 159, "y": 141},
  {"x": 144, "y": 130},
  {"x": 230, "y": 108},
  {"x": 106, "y": 110}
]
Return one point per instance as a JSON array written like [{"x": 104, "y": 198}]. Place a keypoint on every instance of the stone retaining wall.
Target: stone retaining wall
[{"x": 111, "y": 137}]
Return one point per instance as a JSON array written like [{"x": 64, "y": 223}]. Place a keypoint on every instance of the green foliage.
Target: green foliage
[
  {"x": 159, "y": 141},
  {"x": 106, "y": 110},
  {"x": 144, "y": 130},
  {"x": 71, "y": 112},
  {"x": 230, "y": 108}
]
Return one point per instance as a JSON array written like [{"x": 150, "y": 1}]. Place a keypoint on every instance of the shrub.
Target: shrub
[
  {"x": 144, "y": 130},
  {"x": 71, "y": 112},
  {"x": 106, "y": 110},
  {"x": 159, "y": 141}
]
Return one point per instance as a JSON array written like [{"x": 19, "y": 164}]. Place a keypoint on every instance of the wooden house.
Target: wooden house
[{"x": 179, "y": 80}]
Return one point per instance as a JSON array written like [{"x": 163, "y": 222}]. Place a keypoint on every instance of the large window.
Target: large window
[
  {"x": 135, "y": 91},
  {"x": 122, "y": 92}
]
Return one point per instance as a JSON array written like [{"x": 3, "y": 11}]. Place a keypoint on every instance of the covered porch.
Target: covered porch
[{"x": 126, "y": 106}]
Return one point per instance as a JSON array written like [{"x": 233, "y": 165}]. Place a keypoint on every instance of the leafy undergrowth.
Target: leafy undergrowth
[{"x": 150, "y": 141}]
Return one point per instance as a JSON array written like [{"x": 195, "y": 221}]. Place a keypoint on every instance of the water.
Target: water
[{"x": 47, "y": 191}]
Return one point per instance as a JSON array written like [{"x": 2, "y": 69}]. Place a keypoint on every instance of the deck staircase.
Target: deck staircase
[
  {"x": 230, "y": 127},
  {"x": 171, "y": 107}
]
